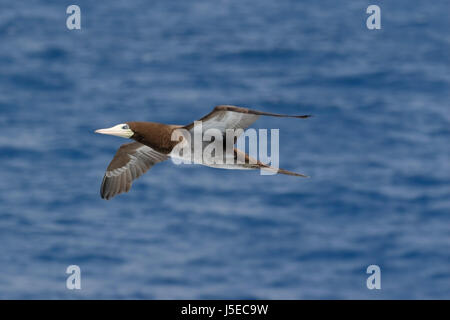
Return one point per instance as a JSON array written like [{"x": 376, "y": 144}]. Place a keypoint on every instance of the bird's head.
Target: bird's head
[{"x": 123, "y": 130}]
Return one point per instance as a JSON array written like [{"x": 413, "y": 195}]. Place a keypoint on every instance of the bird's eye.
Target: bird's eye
[{"x": 125, "y": 127}]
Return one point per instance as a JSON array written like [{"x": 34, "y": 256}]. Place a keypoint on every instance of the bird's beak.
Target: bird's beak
[{"x": 117, "y": 131}]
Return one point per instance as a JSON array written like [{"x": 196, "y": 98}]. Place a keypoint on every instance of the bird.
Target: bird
[{"x": 154, "y": 143}]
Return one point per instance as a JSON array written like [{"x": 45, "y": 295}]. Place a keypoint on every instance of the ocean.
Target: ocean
[{"x": 377, "y": 150}]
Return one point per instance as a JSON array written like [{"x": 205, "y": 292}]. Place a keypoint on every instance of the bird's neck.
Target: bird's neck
[{"x": 155, "y": 135}]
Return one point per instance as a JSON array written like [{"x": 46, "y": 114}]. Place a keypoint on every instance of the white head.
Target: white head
[{"x": 121, "y": 130}]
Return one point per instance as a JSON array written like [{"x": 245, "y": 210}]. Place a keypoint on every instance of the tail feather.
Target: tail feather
[
  {"x": 283, "y": 171},
  {"x": 256, "y": 164}
]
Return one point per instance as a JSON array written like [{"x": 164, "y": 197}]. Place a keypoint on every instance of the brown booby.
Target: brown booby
[{"x": 153, "y": 144}]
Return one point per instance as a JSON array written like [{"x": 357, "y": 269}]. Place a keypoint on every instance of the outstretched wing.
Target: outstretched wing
[
  {"x": 130, "y": 162},
  {"x": 231, "y": 117}
]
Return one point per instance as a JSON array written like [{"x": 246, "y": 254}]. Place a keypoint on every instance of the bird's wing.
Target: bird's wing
[
  {"x": 231, "y": 117},
  {"x": 130, "y": 162}
]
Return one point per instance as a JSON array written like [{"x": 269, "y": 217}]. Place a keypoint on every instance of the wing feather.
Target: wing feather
[
  {"x": 231, "y": 117},
  {"x": 130, "y": 162}
]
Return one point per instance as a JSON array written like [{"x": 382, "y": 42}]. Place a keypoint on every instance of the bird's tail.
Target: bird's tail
[
  {"x": 253, "y": 163},
  {"x": 282, "y": 171}
]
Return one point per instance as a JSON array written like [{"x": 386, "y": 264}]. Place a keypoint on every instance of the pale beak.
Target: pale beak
[{"x": 116, "y": 131}]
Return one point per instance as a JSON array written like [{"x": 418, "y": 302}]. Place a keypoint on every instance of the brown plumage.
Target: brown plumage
[
  {"x": 130, "y": 162},
  {"x": 153, "y": 144},
  {"x": 154, "y": 135}
]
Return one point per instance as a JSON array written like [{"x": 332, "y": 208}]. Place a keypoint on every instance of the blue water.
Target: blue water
[{"x": 377, "y": 150}]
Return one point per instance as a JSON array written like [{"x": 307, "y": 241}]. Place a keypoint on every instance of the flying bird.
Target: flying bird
[{"x": 153, "y": 143}]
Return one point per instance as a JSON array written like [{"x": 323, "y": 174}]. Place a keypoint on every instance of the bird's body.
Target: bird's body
[
  {"x": 154, "y": 135},
  {"x": 156, "y": 142}
]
